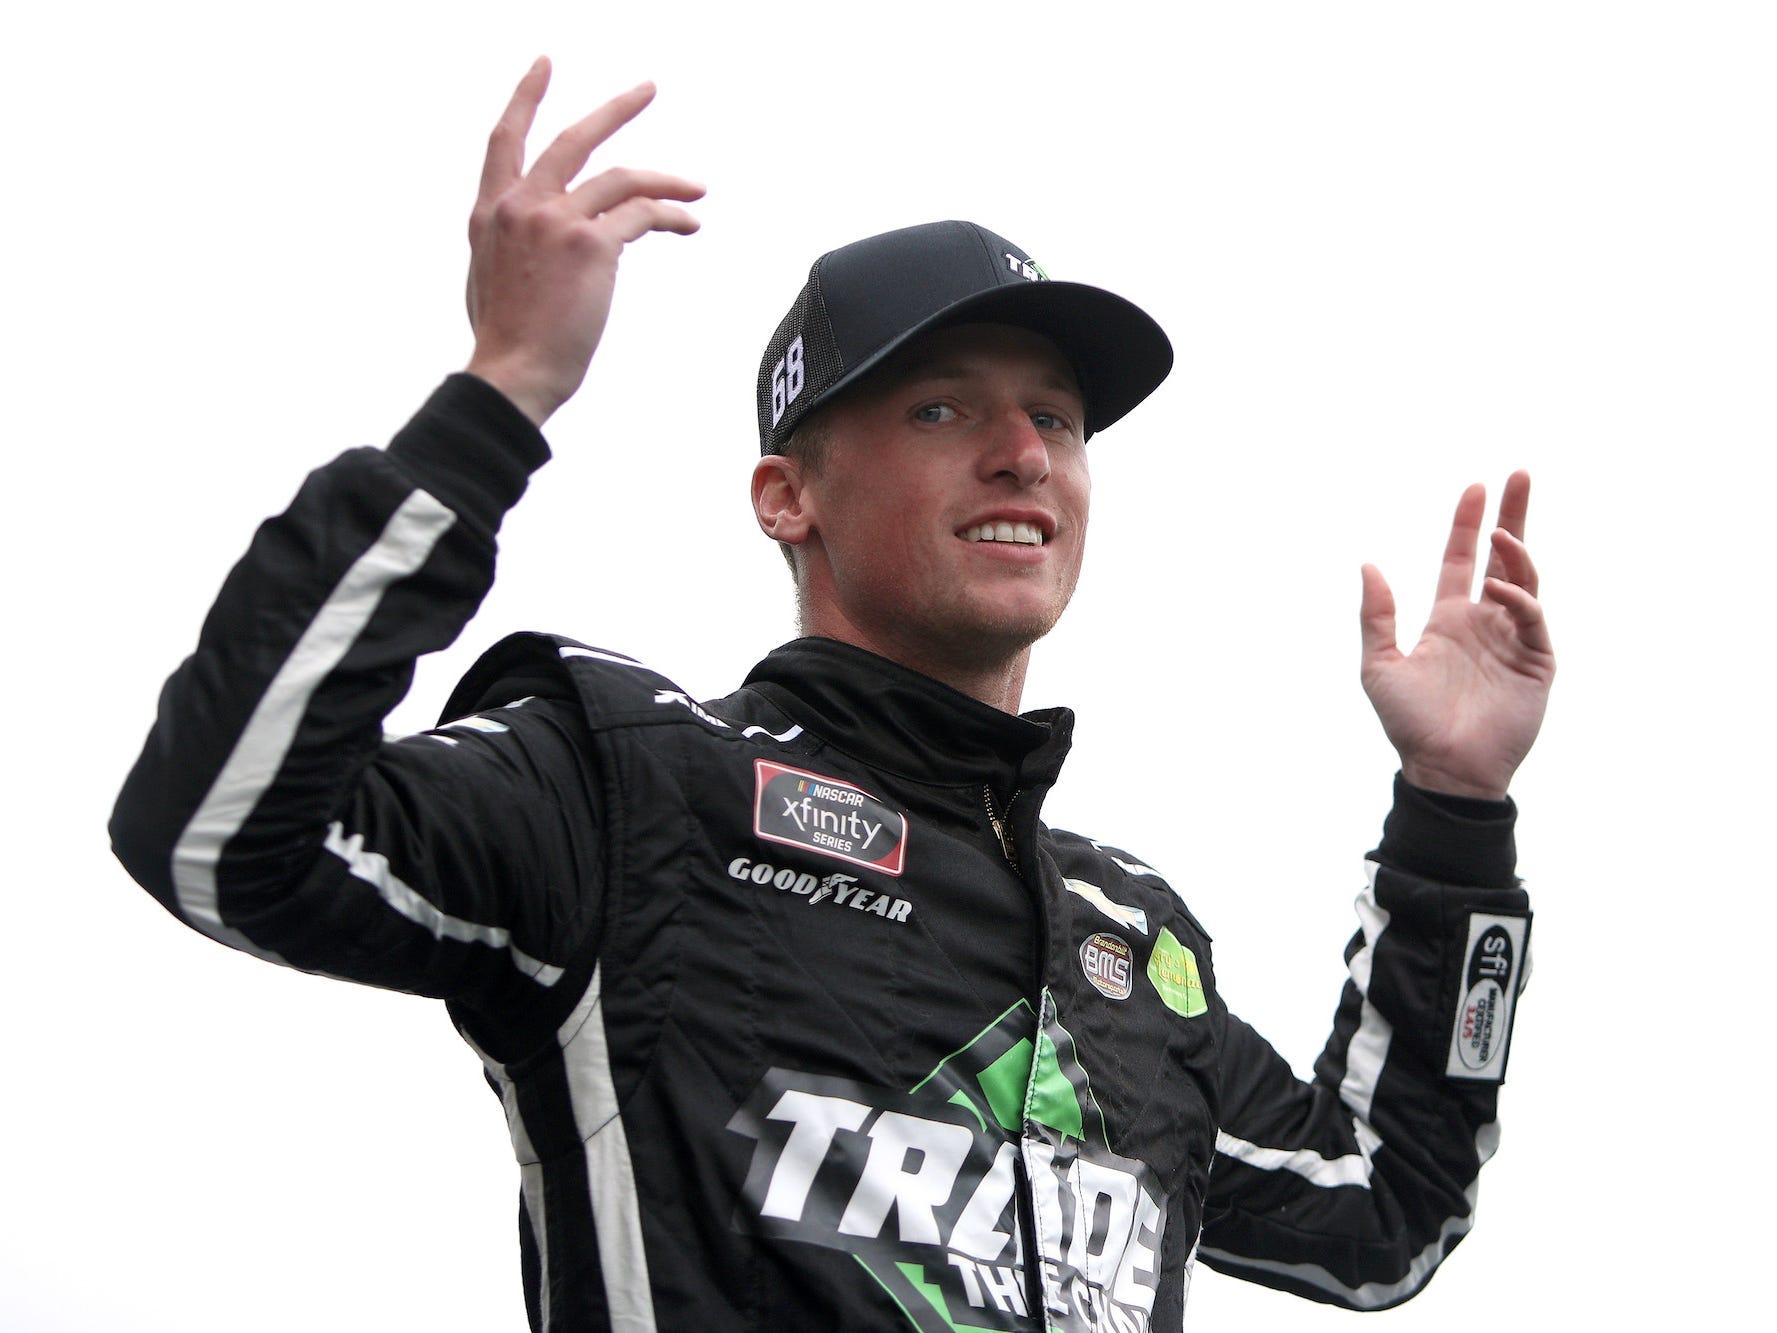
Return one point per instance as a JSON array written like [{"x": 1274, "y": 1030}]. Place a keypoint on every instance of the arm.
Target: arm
[
  {"x": 1352, "y": 1188},
  {"x": 266, "y": 809}
]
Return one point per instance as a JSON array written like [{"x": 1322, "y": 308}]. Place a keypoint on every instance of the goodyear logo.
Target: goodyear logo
[{"x": 829, "y": 816}]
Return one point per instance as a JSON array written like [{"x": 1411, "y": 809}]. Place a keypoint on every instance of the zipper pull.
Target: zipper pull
[{"x": 1002, "y": 828}]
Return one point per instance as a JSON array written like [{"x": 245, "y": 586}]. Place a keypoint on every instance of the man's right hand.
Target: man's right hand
[{"x": 543, "y": 252}]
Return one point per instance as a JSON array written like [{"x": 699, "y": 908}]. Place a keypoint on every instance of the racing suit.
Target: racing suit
[{"x": 800, "y": 1016}]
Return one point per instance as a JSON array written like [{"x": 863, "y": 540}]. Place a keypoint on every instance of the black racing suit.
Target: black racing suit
[{"x": 800, "y": 1016}]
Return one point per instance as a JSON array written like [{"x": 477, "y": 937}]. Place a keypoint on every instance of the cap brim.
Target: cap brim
[{"x": 1120, "y": 354}]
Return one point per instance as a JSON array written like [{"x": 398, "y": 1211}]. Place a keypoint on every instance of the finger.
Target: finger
[
  {"x": 1457, "y": 575},
  {"x": 561, "y": 161},
  {"x": 1376, "y": 615},
  {"x": 611, "y": 187},
  {"x": 1511, "y": 562},
  {"x": 1514, "y": 503},
  {"x": 637, "y": 216},
  {"x": 505, "y": 146},
  {"x": 1526, "y": 613}
]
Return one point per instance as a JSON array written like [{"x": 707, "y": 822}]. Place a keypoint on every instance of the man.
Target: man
[{"x": 800, "y": 1016}]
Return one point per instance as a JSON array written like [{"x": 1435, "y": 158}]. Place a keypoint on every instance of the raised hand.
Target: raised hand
[
  {"x": 543, "y": 251},
  {"x": 1464, "y": 707}
]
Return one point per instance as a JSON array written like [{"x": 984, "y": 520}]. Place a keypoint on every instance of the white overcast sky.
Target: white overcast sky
[{"x": 1399, "y": 247}]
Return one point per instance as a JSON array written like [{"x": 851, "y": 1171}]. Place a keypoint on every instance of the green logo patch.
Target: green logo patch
[{"x": 1173, "y": 970}]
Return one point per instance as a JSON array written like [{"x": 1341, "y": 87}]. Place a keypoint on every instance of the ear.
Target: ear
[{"x": 778, "y": 501}]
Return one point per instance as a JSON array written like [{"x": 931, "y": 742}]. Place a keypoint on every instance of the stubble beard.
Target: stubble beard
[{"x": 975, "y": 639}]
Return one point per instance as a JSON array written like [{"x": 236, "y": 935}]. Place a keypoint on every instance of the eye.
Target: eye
[
  {"x": 934, "y": 413},
  {"x": 1053, "y": 421}
]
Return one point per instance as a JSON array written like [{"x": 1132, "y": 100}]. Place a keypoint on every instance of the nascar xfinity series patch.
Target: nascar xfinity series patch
[{"x": 829, "y": 816}]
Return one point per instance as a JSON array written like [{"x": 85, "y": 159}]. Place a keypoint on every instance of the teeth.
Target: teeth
[{"x": 1024, "y": 534}]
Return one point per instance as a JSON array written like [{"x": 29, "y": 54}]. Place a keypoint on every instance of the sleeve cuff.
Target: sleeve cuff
[
  {"x": 471, "y": 448},
  {"x": 1451, "y": 839}
]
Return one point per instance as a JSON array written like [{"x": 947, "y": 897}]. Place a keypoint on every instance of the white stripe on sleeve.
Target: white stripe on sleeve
[
  {"x": 373, "y": 869},
  {"x": 406, "y": 542},
  {"x": 1367, "y": 1051},
  {"x": 1327, "y": 1172},
  {"x": 1371, "y": 1295}
]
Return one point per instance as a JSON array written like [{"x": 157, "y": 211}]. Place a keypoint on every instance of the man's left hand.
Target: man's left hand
[{"x": 1464, "y": 707}]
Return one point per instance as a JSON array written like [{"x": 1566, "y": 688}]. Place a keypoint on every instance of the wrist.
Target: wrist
[
  {"x": 1428, "y": 777},
  {"x": 525, "y": 392},
  {"x": 1453, "y": 840},
  {"x": 470, "y": 448}
]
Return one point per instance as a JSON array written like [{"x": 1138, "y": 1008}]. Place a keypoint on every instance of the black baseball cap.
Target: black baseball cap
[{"x": 865, "y": 300}]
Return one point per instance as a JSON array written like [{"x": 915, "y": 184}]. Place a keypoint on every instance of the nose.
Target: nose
[{"x": 1017, "y": 450}]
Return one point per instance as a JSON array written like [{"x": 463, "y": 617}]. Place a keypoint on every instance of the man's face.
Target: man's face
[{"x": 948, "y": 517}]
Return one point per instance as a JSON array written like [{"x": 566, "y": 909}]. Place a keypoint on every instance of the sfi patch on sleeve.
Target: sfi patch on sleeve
[{"x": 1493, "y": 970}]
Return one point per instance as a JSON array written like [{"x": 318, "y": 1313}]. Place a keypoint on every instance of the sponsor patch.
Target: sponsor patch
[
  {"x": 840, "y": 889},
  {"x": 1172, "y": 967},
  {"x": 1493, "y": 965},
  {"x": 829, "y": 816},
  {"x": 922, "y": 1187},
  {"x": 1132, "y": 918},
  {"x": 1109, "y": 965}
]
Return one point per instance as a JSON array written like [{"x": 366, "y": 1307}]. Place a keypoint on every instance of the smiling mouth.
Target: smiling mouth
[{"x": 1021, "y": 534}]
